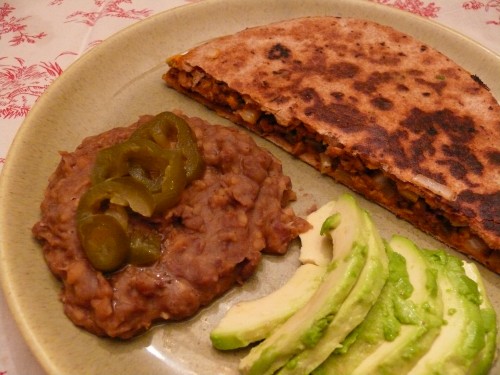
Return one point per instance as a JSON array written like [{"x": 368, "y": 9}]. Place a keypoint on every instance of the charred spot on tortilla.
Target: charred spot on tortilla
[
  {"x": 337, "y": 95},
  {"x": 478, "y": 80},
  {"x": 459, "y": 129},
  {"x": 278, "y": 51},
  {"x": 374, "y": 80},
  {"x": 308, "y": 94},
  {"x": 382, "y": 103},
  {"x": 379, "y": 111},
  {"x": 436, "y": 86},
  {"x": 344, "y": 70},
  {"x": 493, "y": 157},
  {"x": 402, "y": 88}
]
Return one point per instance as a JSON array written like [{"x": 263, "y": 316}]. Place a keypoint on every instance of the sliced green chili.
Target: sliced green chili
[
  {"x": 122, "y": 191},
  {"x": 140, "y": 158},
  {"x": 147, "y": 174},
  {"x": 171, "y": 131},
  {"x": 174, "y": 182},
  {"x": 145, "y": 247},
  {"x": 104, "y": 241}
]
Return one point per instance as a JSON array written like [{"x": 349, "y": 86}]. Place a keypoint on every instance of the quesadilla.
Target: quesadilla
[{"x": 380, "y": 112}]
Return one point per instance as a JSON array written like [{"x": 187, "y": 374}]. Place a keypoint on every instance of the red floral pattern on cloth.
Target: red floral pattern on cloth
[
  {"x": 488, "y": 6},
  {"x": 10, "y": 24},
  {"x": 40, "y": 39},
  {"x": 22, "y": 84},
  {"x": 414, "y": 6},
  {"x": 107, "y": 9}
]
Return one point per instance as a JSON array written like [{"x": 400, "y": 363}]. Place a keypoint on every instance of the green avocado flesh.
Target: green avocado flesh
[
  {"x": 304, "y": 329},
  {"x": 376, "y": 308},
  {"x": 462, "y": 337},
  {"x": 252, "y": 321},
  {"x": 353, "y": 310},
  {"x": 483, "y": 360},
  {"x": 430, "y": 319},
  {"x": 317, "y": 249},
  {"x": 402, "y": 324}
]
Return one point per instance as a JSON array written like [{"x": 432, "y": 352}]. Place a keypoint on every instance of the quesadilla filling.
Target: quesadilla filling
[{"x": 427, "y": 208}]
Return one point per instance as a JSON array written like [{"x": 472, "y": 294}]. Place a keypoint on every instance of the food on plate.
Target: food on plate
[
  {"x": 377, "y": 110},
  {"x": 463, "y": 337},
  {"x": 317, "y": 249},
  {"x": 432, "y": 317},
  {"x": 487, "y": 355},
  {"x": 141, "y": 224},
  {"x": 403, "y": 323},
  {"x": 146, "y": 173},
  {"x": 352, "y": 312},
  {"x": 251, "y": 321},
  {"x": 350, "y": 287},
  {"x": 409, "y": 311}
]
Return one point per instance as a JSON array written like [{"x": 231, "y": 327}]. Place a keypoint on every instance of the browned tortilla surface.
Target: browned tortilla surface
[
  {"x": 212, "y": 239},
  {"x": 376, "y": 109}
]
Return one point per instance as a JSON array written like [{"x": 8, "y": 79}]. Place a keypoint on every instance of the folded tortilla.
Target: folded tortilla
[{"x": 386, "y": 115}]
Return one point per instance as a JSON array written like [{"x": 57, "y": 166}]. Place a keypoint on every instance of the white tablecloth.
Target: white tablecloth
[{"x": 40, "y": 39}]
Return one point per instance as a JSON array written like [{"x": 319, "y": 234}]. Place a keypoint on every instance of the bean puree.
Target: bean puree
[{"x": 211, "y": 241}]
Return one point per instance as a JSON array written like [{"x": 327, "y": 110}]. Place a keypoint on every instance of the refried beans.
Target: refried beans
[{"x": 211, "y": 240}]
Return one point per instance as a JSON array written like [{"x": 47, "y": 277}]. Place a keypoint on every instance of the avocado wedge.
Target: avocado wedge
[
  {"x": 353, "y": 310},
  {"x": 402, "y": 324},
  {"x": 463, "y": 337},
  {"x": 317, "y": 249},
  {"x": 484, "y": 359},
  {"x": 304, "y": 329},
  {"x": 252, "y": 321}
]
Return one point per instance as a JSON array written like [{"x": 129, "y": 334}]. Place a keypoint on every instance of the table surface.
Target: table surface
[{"x": 40, "y": 39}]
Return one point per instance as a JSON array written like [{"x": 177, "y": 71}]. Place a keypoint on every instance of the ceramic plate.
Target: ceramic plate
[{"x": 111, "y": 86}]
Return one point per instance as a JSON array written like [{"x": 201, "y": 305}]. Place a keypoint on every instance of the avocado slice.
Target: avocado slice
[
  {"x": 317, "y": 249},
  {"x": 251, "y": 321},
  {"x": 402, "y": 324},
  {"x": 304, "y": 329},
  {"x": 462, "y": 338},
  {"x": 484, "y": 359},
  {"x": 353, "y": 310},
  {"x": 420, "y": 316}
]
